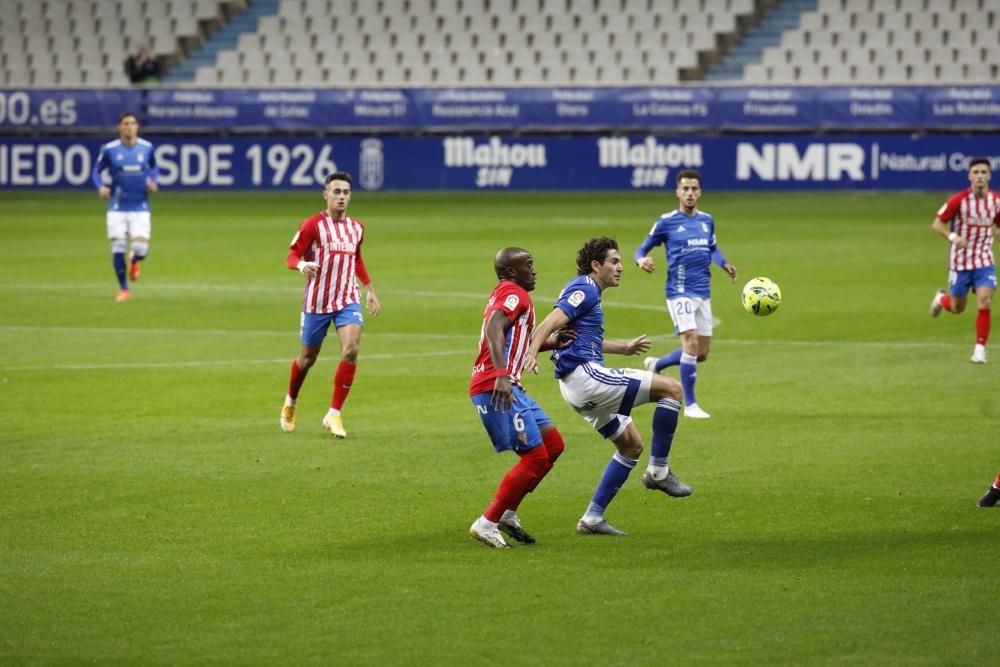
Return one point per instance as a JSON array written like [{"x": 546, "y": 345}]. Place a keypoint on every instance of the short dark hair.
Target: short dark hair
[
  {"x": 338, "y": 176},
  {"x": 980, "y": 160},
  {"x": 125, "y": 114},
  {"x": 594, "y": 250},
  {"x": 688, "y": 173}
]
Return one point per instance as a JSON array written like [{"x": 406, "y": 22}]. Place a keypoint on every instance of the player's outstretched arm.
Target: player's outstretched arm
[
  {"x": 555, "y": 321},
  {"x": 637, "y": 345}
]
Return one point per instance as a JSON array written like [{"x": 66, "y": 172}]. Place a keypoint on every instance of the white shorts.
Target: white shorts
[
  {"x": 691, "y": 312},
  {"x": 605, "y": 396},
  {"x": 128, "y": 224}
]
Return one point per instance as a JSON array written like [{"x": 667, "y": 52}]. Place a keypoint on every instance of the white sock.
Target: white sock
[
  {"x": 658, "y": 472},
  {"x": 485, "y": 524},
  {"x": 510, "y": 515},
  {"x": 289, "y": 400},
  {"x": 335, "y": 413}
]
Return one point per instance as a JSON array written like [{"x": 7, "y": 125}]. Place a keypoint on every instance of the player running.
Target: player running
[
  {"x": 605, "y": 396},
  {"x": 967, "y": 221},
  {"x": 689, "y": 239},
  {"x": 327, "y": 250},
  {"x": 132, "y": 166},
  {"x": 513, "y": 420}
]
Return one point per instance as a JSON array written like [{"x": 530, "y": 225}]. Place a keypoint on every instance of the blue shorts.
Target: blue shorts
[
  {"x": 314, "y": 326},
  {"x": 960, "y": 282},
  {"x": 519, "y": 428}
]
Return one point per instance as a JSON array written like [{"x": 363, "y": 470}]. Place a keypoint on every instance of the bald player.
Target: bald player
[{"x": 513, "y": 420}]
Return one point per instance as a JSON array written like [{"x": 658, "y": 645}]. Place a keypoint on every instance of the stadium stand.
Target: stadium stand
[
  {"x": 895, "y": 42},
  {"x": 500, "y": 42},
  {"x": 86, "y": 42}
]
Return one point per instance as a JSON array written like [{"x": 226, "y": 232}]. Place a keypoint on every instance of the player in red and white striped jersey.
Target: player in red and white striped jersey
[
  {"x": 513, "y": 420},
  {"x": 967, "y": 220},
  {"x": 327, "y": 250}
]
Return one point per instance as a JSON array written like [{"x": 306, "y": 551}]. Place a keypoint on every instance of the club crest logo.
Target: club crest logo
[{"x": 372, "y": 164}]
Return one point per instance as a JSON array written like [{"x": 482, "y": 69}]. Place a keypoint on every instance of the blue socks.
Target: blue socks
[
  {"x": 671, "y": 359},
  {"x": 664, "y": 425},
  {"x": 689, "y": 374},
  {"x": 615, "y": 474},
  {"x": 118, "y": 260}
]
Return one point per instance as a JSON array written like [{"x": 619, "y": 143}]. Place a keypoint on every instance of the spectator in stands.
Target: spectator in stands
[{"x": 142, "y": 67}]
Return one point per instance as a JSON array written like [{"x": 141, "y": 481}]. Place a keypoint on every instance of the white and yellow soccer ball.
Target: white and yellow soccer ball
[{"x": 761, "y": 296}]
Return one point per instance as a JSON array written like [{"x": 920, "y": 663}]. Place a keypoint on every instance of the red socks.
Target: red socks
[
  {"x": 342, "y": 381},
  {"x": 518, "y": 481},
  {"x": 945, "y": 302},
  {"x": 298, "y": 377},
  {"x": 983, "y": 326},
  {"x": 996, "y": 482}
]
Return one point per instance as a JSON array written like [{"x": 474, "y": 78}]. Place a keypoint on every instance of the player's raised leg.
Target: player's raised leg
[
  {"x": 655, "y": 365},
  {"x": 140, "y": 249}
]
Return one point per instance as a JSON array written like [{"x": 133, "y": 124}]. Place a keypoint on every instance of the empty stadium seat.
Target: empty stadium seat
[{"x": 503, "y": 42}]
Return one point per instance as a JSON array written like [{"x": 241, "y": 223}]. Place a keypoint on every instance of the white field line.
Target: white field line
[
  {"x": 217, "y": 362},
  {"x": 291, "y": 332},
  {"x": 292, "y": 289},
  {"x": 465, "y": 351}
]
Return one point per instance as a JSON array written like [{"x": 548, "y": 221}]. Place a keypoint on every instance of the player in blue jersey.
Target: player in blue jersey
[
  {"x": 130, "y": 162},
  {"x": 605, "y": 396},
  {"x": 689, "y": 237}
]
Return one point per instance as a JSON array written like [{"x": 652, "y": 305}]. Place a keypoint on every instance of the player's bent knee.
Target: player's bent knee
[
  {"x": 629, "y": 443},
  {"x": 665, "y": 387},
  {"x": 554, "y": 444}
]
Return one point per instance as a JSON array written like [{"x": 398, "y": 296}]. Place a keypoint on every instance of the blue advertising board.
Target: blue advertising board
[
  {"x": 674, "y": 109},
  {"x": 40, "y": 109},
  {"x": 845, "y": 108},
  {"x": 471, "y": 161}
]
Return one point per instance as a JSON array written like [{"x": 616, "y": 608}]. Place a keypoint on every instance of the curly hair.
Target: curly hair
[{"x": 594, "y": 250}]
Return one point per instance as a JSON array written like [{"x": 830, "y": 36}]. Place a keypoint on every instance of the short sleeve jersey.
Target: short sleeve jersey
[
  {"x": 689, "y": 241},
  {"x": 336, "y": 246},
  {"x": 130, "y": 167},
  {"x": 581, "y": 301},
  {"x": 514, "y": 302},
  {"x": 973, "y": 219}
]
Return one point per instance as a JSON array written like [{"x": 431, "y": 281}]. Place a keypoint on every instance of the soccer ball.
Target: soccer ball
[{"x": 761, "y": 296}]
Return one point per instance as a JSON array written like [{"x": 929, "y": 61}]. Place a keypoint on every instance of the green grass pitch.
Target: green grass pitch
[{"x": 152, "y": 512}]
